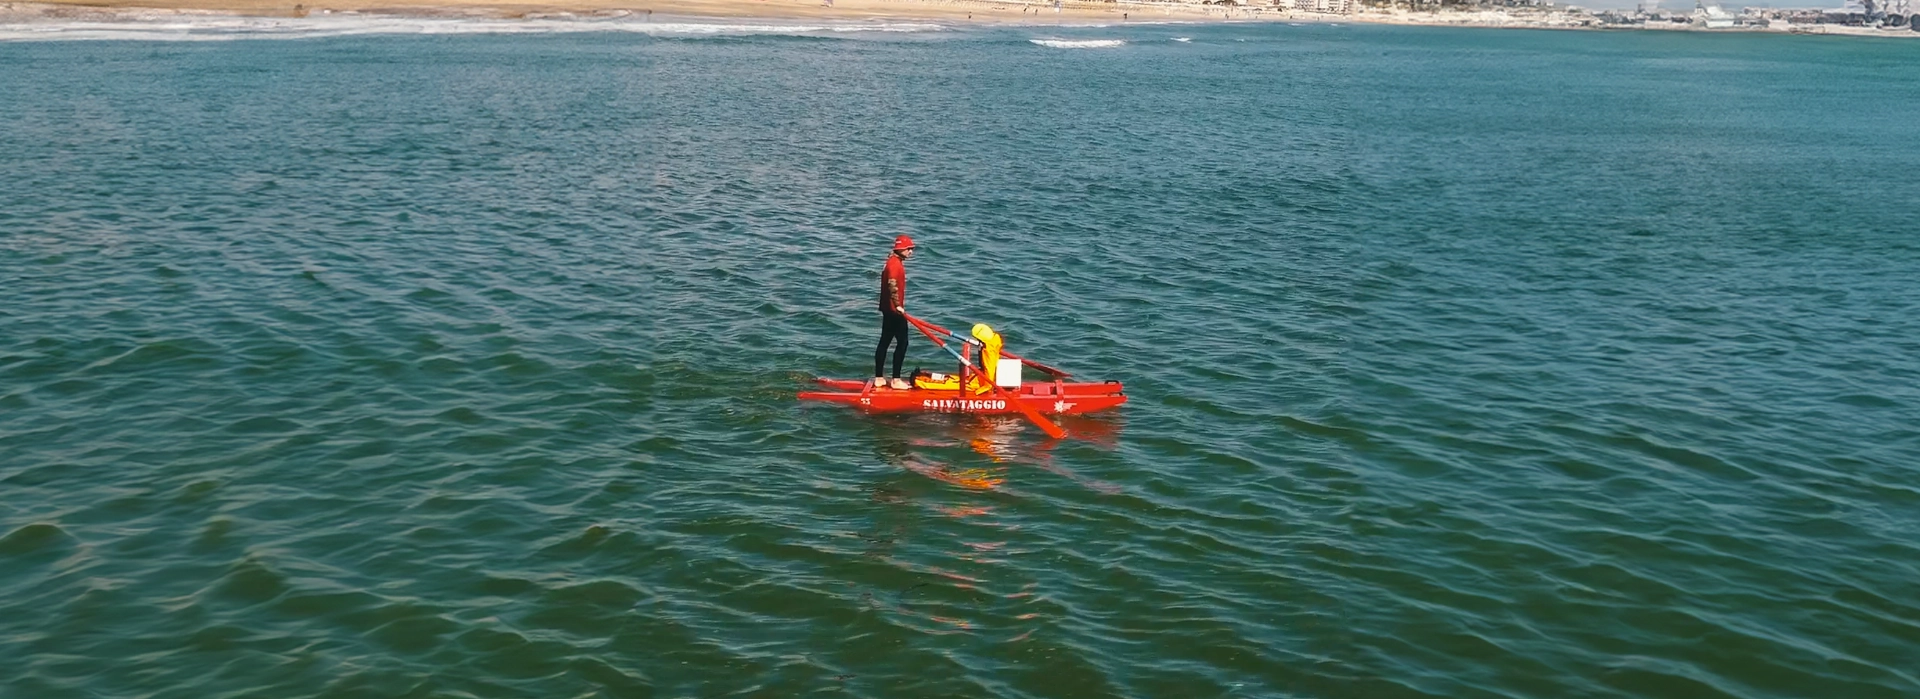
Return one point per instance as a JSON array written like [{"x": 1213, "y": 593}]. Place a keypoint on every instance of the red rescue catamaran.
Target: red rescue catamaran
[{"x": 1009, "y": 395}]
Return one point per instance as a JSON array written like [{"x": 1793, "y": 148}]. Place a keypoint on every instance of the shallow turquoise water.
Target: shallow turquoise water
[{"x": 1462, "y": 363}]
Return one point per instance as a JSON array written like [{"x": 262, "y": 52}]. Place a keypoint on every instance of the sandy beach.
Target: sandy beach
[
  {"x": 983, "y": 11},
  {"x": 950, "y": 12}
]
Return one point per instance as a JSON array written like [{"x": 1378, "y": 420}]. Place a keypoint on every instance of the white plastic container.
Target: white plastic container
[{"x": 1007, "y": 375}]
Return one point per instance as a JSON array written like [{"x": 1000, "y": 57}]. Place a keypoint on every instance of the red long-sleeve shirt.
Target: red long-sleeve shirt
[{"x": 896, "y": 296}]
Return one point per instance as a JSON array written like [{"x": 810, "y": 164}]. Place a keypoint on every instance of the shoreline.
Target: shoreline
[
  {"x": 957, "y": 11},
  {"x": 974, "y": 12}
]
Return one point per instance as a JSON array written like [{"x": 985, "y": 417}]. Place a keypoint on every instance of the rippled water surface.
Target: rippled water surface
[{"x": 1462, "y": 364}]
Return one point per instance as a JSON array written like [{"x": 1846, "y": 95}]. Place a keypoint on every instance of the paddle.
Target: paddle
[{"x": 1034, "y": 416}]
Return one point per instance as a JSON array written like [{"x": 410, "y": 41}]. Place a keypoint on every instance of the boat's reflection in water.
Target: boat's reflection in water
[
  {"x": 961, "y": 583},
  {"x": 1006, "y": 441}
]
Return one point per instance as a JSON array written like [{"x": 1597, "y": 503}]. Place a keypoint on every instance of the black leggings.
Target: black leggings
[{"x": 892, "y": 325}]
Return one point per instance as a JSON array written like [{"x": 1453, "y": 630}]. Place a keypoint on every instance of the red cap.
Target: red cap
[{"x": 902, "y": 243}]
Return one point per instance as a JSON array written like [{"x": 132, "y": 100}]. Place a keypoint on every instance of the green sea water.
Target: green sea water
[{"x": 455, "y": 359}]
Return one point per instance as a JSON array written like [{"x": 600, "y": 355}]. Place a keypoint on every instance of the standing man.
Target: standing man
[{"x": 893, "y": 314}]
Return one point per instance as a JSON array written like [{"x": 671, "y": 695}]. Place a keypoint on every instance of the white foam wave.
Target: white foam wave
[
  {"x": 165, "y": 27},
  {"x": 1080, "y": 43},
  {"x": 1183, "y": 39}
]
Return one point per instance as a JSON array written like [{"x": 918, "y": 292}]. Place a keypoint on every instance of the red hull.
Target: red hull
[{"x": 1044, "y": 396}]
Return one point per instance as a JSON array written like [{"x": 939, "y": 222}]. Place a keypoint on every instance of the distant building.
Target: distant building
[
  {"x": 1337, "y": 7},
  {"x": 1711, "y": 16}
]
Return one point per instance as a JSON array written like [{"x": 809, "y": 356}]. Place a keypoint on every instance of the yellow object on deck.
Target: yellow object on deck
[
  {"x": 982, "y": 380},
  {"x": 950, "y": 382},
  {"x": 989, "y": 354}
]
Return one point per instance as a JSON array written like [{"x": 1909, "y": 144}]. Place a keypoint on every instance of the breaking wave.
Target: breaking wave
[{"x": 1080, "y": 43}]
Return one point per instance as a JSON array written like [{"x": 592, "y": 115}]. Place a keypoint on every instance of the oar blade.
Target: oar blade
[{"x": 1038, "y": 420}]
